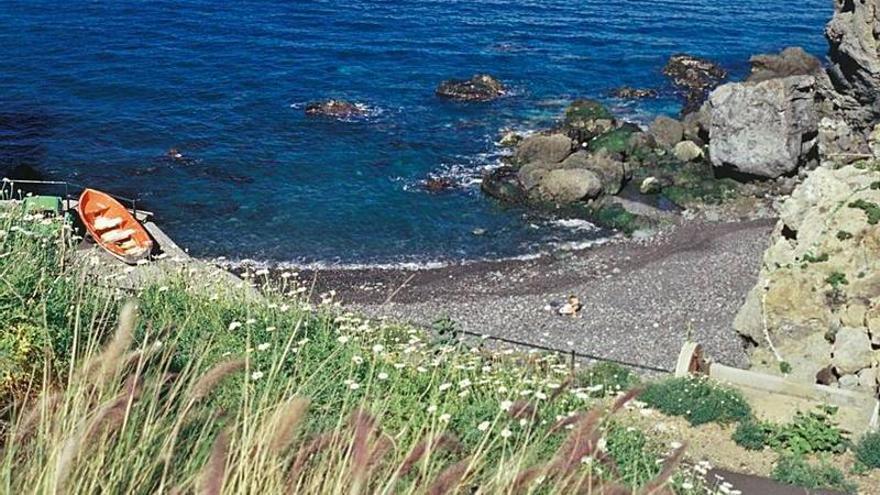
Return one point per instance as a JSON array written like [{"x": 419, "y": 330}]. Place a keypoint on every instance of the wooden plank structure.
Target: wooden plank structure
[{"x": 778, "y": 398}]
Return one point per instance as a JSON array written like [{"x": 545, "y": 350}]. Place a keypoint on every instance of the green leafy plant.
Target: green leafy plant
[
  {"x": 870, "y": 208},
  {"x": 697, "y": 399},
  {"x": 785, "y": 367},
  {"x": 795, "y": 470},
  {"x": 868, "y": 450},
  {"x": 809, "y": 432}
]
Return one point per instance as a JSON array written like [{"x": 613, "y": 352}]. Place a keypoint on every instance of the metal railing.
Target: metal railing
[{"x": 10, "y": 183}]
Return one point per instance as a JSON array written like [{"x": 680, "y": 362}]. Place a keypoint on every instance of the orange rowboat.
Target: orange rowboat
[{"x": 113, "y": 227}]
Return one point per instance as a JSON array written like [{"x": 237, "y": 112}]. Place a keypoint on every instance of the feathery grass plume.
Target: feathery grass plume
[
  {"x": 445, "y": 441},
  {"x": 448, "y": 480},
  {"x": 111, "y": 415},
  {"x": 657, "y": 485},
  {"x": 415, "y": 455},
  {"x": 525, "y": 478},
  {"x": 106, "y": 418},
  {"x": 580, "y": 442},
  {"x": 111, "y": 357},
  {"x": 363, "y": 427},
  {"x": 624, "y": 399},
  {"x": 212, "y": 378},
  {"x": 210, "y": 480},
  {"x": 559, "y": 390},
  {"x": 284, "y": 423},
  {"x": 565, "y": 422},
  {"x": 384, "y": 444},
  {"x": 29, "y": 421},
  {"x": 522, "y": 409},
  {"x": 308, "y": 450}
]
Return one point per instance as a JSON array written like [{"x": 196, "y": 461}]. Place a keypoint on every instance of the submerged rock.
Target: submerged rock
[
  {"x": 630, "y": 93},
  {"x": 765, "y": 129},
  {"x": 337, "y": 109},
  {"x": 481, "y": 87},
  {"x": 694, "y": 78}
]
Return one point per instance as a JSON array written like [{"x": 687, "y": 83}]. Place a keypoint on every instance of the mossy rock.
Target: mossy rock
[
  {"x": 708, "y": 191},
  {"x": 615, "y": 141},
  {"x": 616, "y": 217},
  {"x": 584, "y": 111}
]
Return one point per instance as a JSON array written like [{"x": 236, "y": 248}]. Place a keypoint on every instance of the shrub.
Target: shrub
[
  {"x": 811, "y": 258},
  {"x": 843, "y": 235},
  {"x": 606, "y": 378},
  {"x": 795, "y": 470},
  {"x": 751, "y": 435},
  {"x": 868, "y": 450},
  {"x": 698, "y": 400}
]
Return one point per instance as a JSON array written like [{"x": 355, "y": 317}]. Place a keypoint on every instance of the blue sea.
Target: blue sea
[{"x": 97, "y": 93}]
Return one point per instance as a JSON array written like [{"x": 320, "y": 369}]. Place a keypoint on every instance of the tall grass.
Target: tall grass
[{"x": 191, "y": 386}]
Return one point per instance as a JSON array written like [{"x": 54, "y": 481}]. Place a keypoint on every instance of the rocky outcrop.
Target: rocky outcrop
[
  {"x": 817, "y": 301},
  {"x": 336, "y": 109},
  {"x": 853, "y": 51},
  {"x": 767, "y": 128},
  {"x": 481, "y": 87},
  {"x": 693, "y": 77}
]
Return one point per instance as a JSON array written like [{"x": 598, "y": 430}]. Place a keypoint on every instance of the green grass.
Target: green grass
[{"x": 202, "y": 386}]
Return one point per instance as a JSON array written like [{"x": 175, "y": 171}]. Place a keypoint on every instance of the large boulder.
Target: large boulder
[
  {"x": 694, "y": 78},
  {"x": 612, "y": 172},
  {"x": 551, "y": 148},
  {"x": 667, "y": 131},
  {"x": 481, "y": 87},
  {"x": 569, "y": 185},
  {"x": 765, "y": 129},
  {"x": 819, "y": 286}
]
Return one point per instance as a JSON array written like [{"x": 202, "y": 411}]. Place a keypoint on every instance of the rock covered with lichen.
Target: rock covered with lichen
[{"x": 816, "y": 305}]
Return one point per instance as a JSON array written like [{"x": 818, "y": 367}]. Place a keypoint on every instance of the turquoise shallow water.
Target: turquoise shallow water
[{"x": 98, "y": 92}]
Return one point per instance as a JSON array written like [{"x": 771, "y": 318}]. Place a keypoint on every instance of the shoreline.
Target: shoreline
[{"x": 641, "y": 296}]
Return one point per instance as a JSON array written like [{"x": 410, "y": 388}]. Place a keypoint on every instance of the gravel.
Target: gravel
[{"x": 641, "y": 298}]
